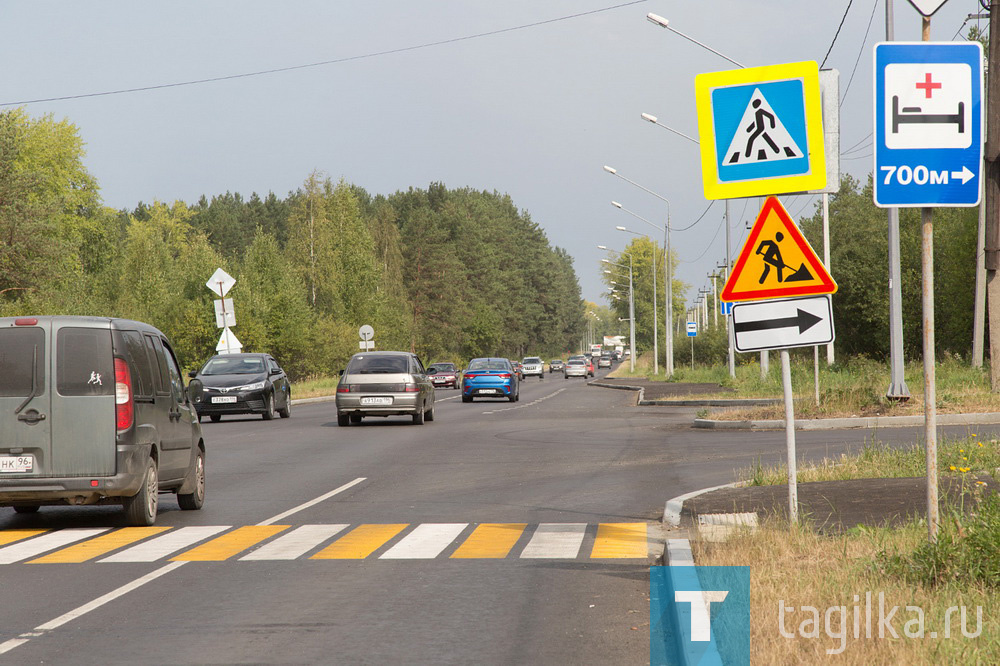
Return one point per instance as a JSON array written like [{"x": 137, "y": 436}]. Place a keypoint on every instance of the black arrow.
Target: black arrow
[{"x": 804, "y": 320}]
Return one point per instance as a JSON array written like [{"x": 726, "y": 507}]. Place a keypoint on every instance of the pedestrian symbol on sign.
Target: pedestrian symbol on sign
[{"x": 768, "y": 139}]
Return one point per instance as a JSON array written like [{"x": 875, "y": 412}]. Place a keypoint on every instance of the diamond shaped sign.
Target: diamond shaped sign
[{"x": 927, "y": 7}]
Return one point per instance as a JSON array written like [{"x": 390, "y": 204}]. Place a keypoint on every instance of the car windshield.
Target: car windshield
[
  {"x": 532, "y": 359},
  {"x": 377, "y": 365},
  {"x": 441, "y": 367},
  {"x": 233, "y": 365},
  {"x": 488, "y": 364},
  {"x": 556, "y": 360}
]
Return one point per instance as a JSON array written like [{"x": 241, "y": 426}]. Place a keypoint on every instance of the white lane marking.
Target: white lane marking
[
  {"x": 454, "y": 397},
  {"x": 41, "y": 629},
  {"x": 527, "y": 404},
  {"x": 306, "y": 505},
  {"x": 40, "y": 544},
  {"x": 295, "y": 543},
  {"x": 110, "y": 596},
  {"x": 167, "y": 544},
  {"x": 552, "y": 540},
  {"x": 425, "y": 542}
]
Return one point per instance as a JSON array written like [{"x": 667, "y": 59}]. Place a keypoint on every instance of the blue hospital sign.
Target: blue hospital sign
[
  {"x": 761, "y": 130},
  {"x": 928, "y": 123}
]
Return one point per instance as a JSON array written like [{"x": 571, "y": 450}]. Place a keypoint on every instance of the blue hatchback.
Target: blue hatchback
[{"x": 490, "y": 378}]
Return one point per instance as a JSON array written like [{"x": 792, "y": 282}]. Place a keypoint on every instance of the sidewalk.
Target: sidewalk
[{"x": 830, "y": 506}]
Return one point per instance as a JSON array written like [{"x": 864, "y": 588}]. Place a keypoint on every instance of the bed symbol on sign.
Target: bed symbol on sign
[{"x": 927, "y": 105}]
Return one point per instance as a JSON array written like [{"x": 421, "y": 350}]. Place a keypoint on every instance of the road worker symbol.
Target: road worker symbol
[
  {"x": 776, "y": 261},
  {"x": 771, "y": 254}
]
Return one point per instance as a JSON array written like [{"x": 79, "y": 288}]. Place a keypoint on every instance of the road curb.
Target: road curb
[
  {"x": 306, "y": 401},
  {"x": 673, "y": 508},
  {"x": 715, "y": 402},
  {"x": 985, "y": 418},
  {"x": 622, "y": 387}
]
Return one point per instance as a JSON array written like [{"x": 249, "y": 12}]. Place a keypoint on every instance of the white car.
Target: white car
[
  {"x": 532, "y": 365},
  {"x": 575, "y": 367}
]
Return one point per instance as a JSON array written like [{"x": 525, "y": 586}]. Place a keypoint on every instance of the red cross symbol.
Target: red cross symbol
[{"x": 928, "y": 86}]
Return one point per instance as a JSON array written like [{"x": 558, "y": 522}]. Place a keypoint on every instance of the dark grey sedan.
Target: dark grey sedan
[{"x": 241, "y": 384}]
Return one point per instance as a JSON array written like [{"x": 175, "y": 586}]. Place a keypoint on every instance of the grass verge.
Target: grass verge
[
  {"x": 798, "y": 570},
  {"x": 315, "y": 387}
]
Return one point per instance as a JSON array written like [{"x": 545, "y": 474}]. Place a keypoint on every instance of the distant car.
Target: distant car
[
  {"x": 241, "y": 384},
  {"x": 589, "y": 360},
  {"x": 617, "y": 356},
  {"x": 533, "y": 366},
  {"x": 556, "y": 365},
  {"x": 604, "y": 362},
  {"x": 518, "y": 368},
  {"x": 386, "y": 383},
  {"x": 443, "y": 375},
  {"x": 575, "y": 367},
  {"x": 490, "y": 378}
]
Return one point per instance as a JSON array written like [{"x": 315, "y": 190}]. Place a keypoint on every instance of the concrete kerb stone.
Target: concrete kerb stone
[
  {"x": 673, "y": 508},
  {"x": 306, "y": 401},
  {"x": 622, "y": 387},
  {"x": 987, "y": 418}
]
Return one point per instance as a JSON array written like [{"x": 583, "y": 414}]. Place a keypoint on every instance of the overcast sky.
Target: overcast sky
[{"x": 534, "y": 112}]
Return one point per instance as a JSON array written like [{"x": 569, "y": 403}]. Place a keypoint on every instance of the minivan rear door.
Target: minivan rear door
[
  {"x": 25, "y": 410},
  {"x": 83, "y": 403}
]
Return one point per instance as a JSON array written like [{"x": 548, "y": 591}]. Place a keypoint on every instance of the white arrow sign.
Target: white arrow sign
[
  {"x": 220, "y": 282},
  {"x": 225, "y": 315},
  {"x": 228, "y": 344},
  {"x": 793, "y": 322},
  {"x": 964, "y": 175}
]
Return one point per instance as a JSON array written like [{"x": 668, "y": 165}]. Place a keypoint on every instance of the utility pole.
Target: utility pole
[{"x": 991, "y": 179}]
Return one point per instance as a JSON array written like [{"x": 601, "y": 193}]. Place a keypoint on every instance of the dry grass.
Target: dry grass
[
  {"x": 315, "y": 387},
  {"x": 800, "y": 568}
]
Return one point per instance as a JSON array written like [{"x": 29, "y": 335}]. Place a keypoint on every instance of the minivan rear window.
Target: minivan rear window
[
  {"x": 17, "y": 347},
  {"x": 84, "y": 362}
]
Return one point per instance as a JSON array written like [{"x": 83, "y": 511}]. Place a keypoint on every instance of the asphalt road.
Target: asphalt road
[{"x": 562, "y": 494}]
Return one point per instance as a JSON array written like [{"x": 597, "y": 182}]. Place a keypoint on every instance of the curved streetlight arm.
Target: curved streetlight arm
[
  {"x": 653, "y": 119},
  {"x": 656, "y": 19}
]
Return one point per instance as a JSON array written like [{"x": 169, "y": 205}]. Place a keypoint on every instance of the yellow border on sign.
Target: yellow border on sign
[{"x": 705, "y": 83}]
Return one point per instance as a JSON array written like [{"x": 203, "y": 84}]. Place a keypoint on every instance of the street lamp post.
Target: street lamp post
[
  {"x": 631, "y": 303},
  {"x": 656, "y": 349},
  {"x": 668, "y": 316}
]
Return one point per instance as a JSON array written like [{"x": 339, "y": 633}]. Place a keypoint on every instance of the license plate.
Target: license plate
[
  {"x": 488, "y": 391},
  {"x": 440, "y": 381},
  {"x": 223, "y": 398},
  {"x": 376, "y": 401},
  {"x": 16, "y": 464}
]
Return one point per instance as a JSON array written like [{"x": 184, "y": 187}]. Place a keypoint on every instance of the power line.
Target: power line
[
  {"x": 842, "y": 19},
  {"x": 291, "y": 68},
  {"x": 712, "y": 203},
  {"x": 860, "y": 51}
]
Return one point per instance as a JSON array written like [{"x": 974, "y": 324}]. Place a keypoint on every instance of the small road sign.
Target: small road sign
[
  {"x": 776, "y": 261},
  {"x": 366, "y": 332},
  {"x": 228, "y": 344},
  {"x": 761, "y": 130},
  {"x": 928, "y": 123},
  {"x": 225, "y": 315},
  {"x": 366, "y": 345},
  {"x": 725, "y": 308},
  {"x": 220, "y": 282},
  {"x": 927, "y": 7},
  {"x": 692, "y": 329},
  {"x": 794, "y": 322}
]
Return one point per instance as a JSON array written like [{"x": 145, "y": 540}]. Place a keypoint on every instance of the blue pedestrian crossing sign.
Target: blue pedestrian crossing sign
[
  {"x": 928, "y": 124},
  {"x": 761, "y": 130}
]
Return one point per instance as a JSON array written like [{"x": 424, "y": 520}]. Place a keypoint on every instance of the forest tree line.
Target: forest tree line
[{"x": 448, "y": 273}]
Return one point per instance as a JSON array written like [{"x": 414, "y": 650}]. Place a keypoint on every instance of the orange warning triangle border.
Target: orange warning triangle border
[{"x": 826, "y": 283}]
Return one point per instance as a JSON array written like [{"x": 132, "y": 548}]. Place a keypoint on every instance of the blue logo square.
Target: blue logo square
[{"x": 699, "y": 615}]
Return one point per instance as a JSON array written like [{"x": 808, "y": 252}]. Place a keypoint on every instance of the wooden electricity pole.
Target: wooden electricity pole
[{"x": 991, "y": 178}]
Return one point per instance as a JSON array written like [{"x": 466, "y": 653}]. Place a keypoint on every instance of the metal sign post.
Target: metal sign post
[{"x": 225, "y": 316}]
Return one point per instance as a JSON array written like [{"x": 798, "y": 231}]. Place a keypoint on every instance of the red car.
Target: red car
[{"x": 443, "y": 375}]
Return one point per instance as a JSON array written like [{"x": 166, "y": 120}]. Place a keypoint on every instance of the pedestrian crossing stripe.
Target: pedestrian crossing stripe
[
  {"x": 761, "y": 130},
  {"x": 776, "y": 261},
  {"x": 397, "y": 541}
]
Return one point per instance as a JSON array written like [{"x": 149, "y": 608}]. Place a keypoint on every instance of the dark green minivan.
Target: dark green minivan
[{"x": 93, "y": 411}]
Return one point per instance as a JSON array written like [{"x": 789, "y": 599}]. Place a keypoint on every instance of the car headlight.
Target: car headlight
[{"x": 256, "y": 386}]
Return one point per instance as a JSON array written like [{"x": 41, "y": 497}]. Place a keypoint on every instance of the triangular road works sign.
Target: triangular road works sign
[{"x": 776, "y": 261}]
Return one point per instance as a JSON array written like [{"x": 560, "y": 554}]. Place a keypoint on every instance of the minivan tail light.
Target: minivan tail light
[{"x": 124, "y": 409}]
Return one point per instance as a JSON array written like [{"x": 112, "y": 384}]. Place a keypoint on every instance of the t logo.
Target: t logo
[{"x": 701, "y": 603}]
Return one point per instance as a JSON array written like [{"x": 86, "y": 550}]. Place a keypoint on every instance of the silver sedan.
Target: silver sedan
[{"x": 575, "y": 368}]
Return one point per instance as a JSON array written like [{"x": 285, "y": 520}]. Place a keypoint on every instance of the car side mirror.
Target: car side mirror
[
  {"x": 275, "y": 371},
  {"x": 340, "y": 373},
  {"x": 192, "y": 374}
]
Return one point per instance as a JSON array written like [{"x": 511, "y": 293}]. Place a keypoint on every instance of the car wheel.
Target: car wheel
[
  {"x": 466, "y": 398},
  {"x": 418, "y": 418},
  {"x": 512, "y": 397},
  {"x": 355, "y": 418},
  {"x": 195, "y": 500},
  {"x": 140, "y": 509},
  {"x": 215, "y": 417},
  {"x": 343, "y": 420},
  {"x": 269, "y": 408},
  {"x": 27, "y": 509},
  {"x": 429, "y": 414},
  {"x": 287, "y": 410}
]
